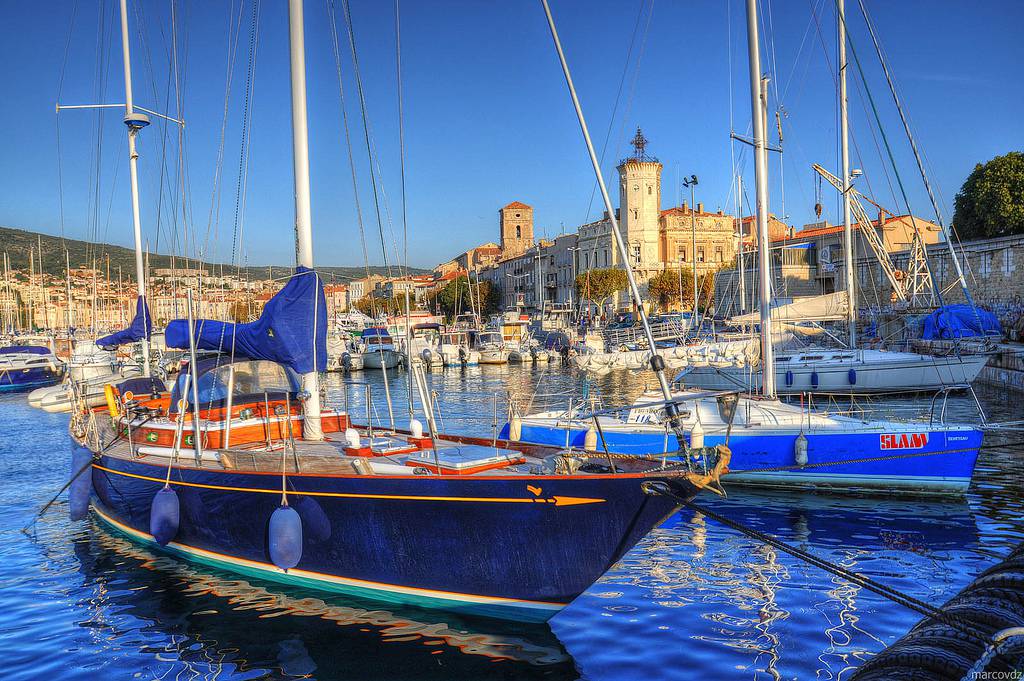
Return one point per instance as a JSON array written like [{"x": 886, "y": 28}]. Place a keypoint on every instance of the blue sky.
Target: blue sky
[{"x": 487, "y": 118}]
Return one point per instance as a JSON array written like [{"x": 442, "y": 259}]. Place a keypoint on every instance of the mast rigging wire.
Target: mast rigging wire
[{"x": 348, "y": 145}]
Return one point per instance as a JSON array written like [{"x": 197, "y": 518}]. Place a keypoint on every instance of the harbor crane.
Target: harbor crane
[{"x": 912, "y": 286}]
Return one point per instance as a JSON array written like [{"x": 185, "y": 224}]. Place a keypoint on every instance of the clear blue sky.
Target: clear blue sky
[{"x": 487, "y": 118}]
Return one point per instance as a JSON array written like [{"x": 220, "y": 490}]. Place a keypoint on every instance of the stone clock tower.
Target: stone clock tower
[{"x": 640, "y": 204}]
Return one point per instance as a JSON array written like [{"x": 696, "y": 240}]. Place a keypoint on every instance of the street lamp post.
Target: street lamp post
[
  {"x": 681, "y": 261},
  {"x": 573, "y": 250},
  {"x": 692, "y": 183}
]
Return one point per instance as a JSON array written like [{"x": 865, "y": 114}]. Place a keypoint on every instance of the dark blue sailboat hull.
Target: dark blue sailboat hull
[{"x": 512, "y": 547}]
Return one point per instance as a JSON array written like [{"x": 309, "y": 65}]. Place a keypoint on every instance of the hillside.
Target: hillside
[{"x": 17, "y": 242}]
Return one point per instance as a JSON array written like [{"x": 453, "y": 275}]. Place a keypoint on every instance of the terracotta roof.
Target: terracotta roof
[
  {"x": 516, "y": 204},
  {"x": 810, "y": 233}
]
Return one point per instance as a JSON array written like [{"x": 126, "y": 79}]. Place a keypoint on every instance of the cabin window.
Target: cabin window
[
  {"x": 808, "y": 358},
  {"x": 782, "y": 359},
  {"x": 251, "y": 378}
]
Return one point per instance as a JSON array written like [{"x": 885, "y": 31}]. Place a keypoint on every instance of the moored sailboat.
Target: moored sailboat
[{"x": 240, "y": 468}]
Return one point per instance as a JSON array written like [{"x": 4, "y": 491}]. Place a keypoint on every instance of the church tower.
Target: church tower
[
  {"x": 516, "y": 220},
  {"x": 640, "y": 204}
]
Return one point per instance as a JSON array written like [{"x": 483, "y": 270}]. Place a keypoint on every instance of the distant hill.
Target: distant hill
[{"x": 17, "y": 242}]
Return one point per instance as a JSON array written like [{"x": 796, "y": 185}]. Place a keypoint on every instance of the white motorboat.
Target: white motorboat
[
  {"x": 457, "y": 349},
  {"x": 377, "y": 349},
  {"x": 89, "y": 391},
  {"x": 492, "y": 348},
  {"x": 425, "y": 345}
]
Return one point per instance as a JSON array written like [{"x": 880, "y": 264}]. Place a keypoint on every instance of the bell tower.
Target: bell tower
[
  {"x": 516, "y": 221},
  {"x": 640, "y": 203}
]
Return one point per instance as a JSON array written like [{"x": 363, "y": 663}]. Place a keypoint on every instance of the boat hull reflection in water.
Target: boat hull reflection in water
[{"x": 229, "y": 626}]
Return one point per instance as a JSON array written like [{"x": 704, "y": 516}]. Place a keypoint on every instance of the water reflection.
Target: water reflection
[
  {"x": 212, "y": 625},
  {"x": 751, "y": 599}
]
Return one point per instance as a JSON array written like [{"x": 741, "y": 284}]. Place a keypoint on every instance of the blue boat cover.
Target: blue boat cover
[
  {"x": 141, "y": 327},
  {"x": 24, "y": 349},
  {"x": 375, "y": 331},
  {"x": 960, "y": 321},
  {"x": 291, "y": 331}
]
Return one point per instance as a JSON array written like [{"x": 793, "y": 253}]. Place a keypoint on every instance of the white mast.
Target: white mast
[
  {"x": 71, "y": 313},
  {"x": 739, "y": 250},
  {"x": 844, "y": 128},
  {"x": 757, "y": 110},
  {"x": 135, "y": 122},
  {"x": 311, "y": 429}
]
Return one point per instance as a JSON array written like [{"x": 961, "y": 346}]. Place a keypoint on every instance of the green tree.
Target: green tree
[
  {"x": 455, "y": 298},
  {"x": 373, "y": 307},
  {"x": 598, "y": 286},
  {"x": 663, "y": 288},
  {"x": 991, "y": 201}
]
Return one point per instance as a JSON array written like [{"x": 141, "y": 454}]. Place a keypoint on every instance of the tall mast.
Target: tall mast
[
  {"x": 31, "y": 286},
  {"x": 135, "y": 122},
  {"x": 311, "y": 429},
  {"x": 43, "y": 298},
  {"x": 851, "y": 291},
  {"x": 739, "y": 251},
  {"x": 7, "y": 299},
  {"x": 757, "y": 110},
  {"x": 71, "y": 314}
]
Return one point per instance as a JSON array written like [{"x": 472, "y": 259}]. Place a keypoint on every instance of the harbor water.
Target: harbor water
[{"x": 694, "y": 600}]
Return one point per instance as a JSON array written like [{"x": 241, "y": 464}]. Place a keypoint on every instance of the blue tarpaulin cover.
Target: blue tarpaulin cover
[
  {"x": 960, "y": 321},
  {"x": 141, "y": 327},
  {"x": 291, "y": 331},
  {"x": 24, "y": 349}
]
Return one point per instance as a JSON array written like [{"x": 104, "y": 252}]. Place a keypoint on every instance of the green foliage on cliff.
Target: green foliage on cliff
[
  {"x": 991, "y": 201},
  {"x": 18, "y": 242}
]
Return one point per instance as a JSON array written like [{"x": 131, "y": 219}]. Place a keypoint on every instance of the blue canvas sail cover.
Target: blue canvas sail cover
[
  {"x": 141, "y": 327},
  {"x": 291, "y": 331},
  {"x": 960, "y": 321},
  {"x": 24, "y": 350}
]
